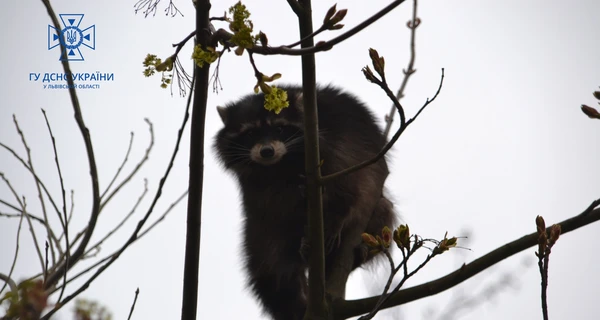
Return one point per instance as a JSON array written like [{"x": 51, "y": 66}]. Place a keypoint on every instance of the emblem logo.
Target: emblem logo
[{"x": 72, "y": 37}]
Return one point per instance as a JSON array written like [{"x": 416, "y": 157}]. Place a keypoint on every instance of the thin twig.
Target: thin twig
[
  {"x": 131, "y": 136},
  {"x": 36, "y": 177},
  {"x": 312, "y": 35},
  {"x": 403, "y": 126},
  {"x": 46, "y": 265},
  {"x": 23, "y": 205},
  {"x": 49, "y": 231},
  {"x": 137, "y": 291},
  {"x": 11, "y": 283},
  {"x": 142, "y": 234},
  {"x": 404, "y": 265},
  {"x": 182, "y": 43},
  {"x": 543, "y": 266},
  {"x": 7, "y": 279},
  {"x": 85, "y": 133},
  {"x": 164, "y": 215},
  {"x": 115, "y": 229},
  {"x": 64, "y": 201},
  {"x": 322, "y": 46},
  {"x": 412, "y": 25},
  {"x": 12, "y": 206},
  {"x": 350, "y": 308},
  {"x": 72, "y": 207},
  {"x": 136, "y": 169},
  {"x": 18, "y": 215},
  {"x": 134, "y": 235}
]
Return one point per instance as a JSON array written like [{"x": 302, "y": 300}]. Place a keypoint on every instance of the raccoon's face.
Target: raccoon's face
[{"x": 259, "y": 138}]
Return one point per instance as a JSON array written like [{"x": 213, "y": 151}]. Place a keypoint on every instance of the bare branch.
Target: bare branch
[
  {"x": 137, "y": 291},
  {"x": 18, "y": 215},
  {"x": 115, "y": 229},
  {"x": 37, "y": 179},
  {"x": 142, "y": 234},
  {"x": 389, "y": 145},
  {"x": 64, "y": 200},
  {"x": 545, "y": 242},
  {"x": 7, "y": 279},
  {"x": 72, "y": 207},
  {"x": 46, "y": 265},
  {"x": 189, "y": 303},
  {"x": 412, "y": 25},
  {"x": 135, "y": 170},
  {"x": 316, "y": 300},
  {"x": 296, "y": 7},
  {"x": 85, "y": 133},
  {"x": 134, "y": 235},
  {"x": 329, "y": 44},
  {"x": 164, "y": 215},
  {"x": 49, "y": 231},
  {"x": 131, "y": 136},
  {"x": 23, "y": 205},
  {"x": 149, "y": 7},
  {"x": 350, "y": 308},
  {"x": 222, "y": 34}
]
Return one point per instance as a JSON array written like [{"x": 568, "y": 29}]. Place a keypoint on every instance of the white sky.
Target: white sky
[{"x": 504, "y": 142}]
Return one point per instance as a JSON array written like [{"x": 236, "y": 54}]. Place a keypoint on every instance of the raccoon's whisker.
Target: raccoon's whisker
[
  {"x": 233, "y": 143},
  {"x": 238, "y": 160},
  {"x": 294, "y": 141},
  {"x": 233, "y": 152},
  {"x": 294, "y": 136}
]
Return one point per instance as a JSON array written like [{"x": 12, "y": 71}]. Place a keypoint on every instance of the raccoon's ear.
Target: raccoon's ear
[{"x": 223, "y": 114}]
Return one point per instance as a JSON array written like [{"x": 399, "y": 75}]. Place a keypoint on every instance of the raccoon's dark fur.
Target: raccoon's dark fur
[{"x": 265, "y": 151}]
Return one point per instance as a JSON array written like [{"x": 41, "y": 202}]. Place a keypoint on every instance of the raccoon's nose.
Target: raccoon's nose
[{"x": 267, "y": 152}]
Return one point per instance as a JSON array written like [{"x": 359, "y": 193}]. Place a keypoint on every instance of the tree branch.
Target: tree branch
[
  {"x": 351, "y": 308},
  {"x": 296, "y": 7},
  {"x": 110, "y": 184},
  {"x": 137, "y": 292},
  {"x": 64, "y": 201},
  {"x": 85, "y": 133},
  {"x": 110, "y": 256},
  {"x": 189, "y": 305},
  {"x": 388, "y": 146},
  {"x": 412, "y": 25},
  {"x": 18, "y": 215},
  {"x": 50, "y": 233},
  {"x": 11, "y": 283},
  {"x": 134, "y": 236},
  {"x": 135, "y": 170},
  {"x": 36, "y": 177},
  {"x": 222, "y": 34},
  {"x": 96, "y": 246},
  {"x": 23, "y": 210},
  {"x": 7, "y": 279},
  {"x": 317, "y": 305}
]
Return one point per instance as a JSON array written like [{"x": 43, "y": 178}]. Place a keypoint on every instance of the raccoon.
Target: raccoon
[{"x": 265, "y": 152}]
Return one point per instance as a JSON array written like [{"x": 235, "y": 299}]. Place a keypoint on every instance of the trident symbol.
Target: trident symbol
[{"x": 71, "y": 36}]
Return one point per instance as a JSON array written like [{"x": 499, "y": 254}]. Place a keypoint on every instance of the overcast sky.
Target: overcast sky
[{"x": 504, "y": 142}]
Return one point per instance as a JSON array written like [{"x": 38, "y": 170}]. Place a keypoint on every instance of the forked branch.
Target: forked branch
[
  {"x": 85, "y": 133},
  {"x": 403, "y": 125},
  {"x": 351, "y": 308}
]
